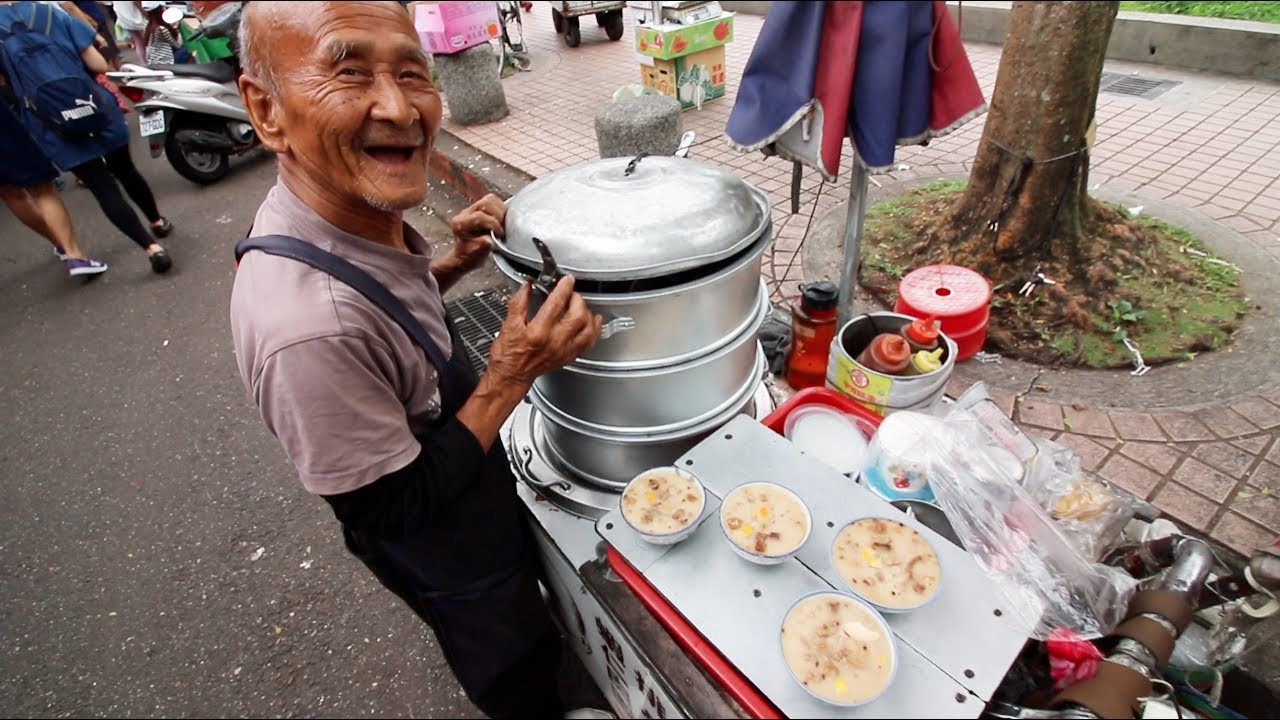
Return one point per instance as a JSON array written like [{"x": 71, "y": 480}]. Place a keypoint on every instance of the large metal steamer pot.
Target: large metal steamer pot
[
  {"x": 611, "y": 457},
  {"x": 673, "y": 324},
  {"x": 611, "y": 400},
  {"x": 672, "y": 243}
]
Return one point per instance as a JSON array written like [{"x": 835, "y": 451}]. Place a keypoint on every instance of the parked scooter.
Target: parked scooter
[{"x": 192, "y": 113}]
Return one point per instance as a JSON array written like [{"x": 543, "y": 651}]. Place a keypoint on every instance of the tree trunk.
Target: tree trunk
[{"x": 1027, "y": 194}]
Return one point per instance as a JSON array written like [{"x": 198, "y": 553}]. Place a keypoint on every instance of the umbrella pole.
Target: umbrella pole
[{"x": 852, "y": 242}]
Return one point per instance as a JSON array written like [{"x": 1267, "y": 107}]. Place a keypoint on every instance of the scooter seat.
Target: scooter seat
[{"x": 218, "y": 72}]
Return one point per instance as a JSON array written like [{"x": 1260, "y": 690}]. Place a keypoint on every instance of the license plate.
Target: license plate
[{"x": 151, "y": 123}]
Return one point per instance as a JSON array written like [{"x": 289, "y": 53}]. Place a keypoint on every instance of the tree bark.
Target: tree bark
[{"x": 1027, "y": 193}]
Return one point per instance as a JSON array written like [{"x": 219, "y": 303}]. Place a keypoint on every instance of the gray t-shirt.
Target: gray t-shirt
[{"x": 338, "y": 382}]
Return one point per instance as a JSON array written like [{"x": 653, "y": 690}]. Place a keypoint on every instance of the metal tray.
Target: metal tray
[{"x": 958, "y": 646}]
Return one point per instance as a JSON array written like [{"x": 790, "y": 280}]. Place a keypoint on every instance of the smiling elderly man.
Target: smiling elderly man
[{"x": 342, "y": 340}]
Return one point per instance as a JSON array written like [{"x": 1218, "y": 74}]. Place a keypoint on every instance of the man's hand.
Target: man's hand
[
  {"x": 563, "y": 329},
  {"x": 471, "y": 228},
  {"x": 472, "y": 244}
]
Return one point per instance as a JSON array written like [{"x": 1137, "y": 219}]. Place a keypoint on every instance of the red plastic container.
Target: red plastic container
[
  {"x": 738, "y": 687},
  {"x": 959, "y": 298}
]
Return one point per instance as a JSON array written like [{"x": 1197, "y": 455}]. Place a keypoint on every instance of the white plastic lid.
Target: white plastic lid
[{"x": 828, "y": 435}]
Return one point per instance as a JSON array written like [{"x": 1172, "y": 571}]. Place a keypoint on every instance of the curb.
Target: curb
[{"x": 470, "y": 173}]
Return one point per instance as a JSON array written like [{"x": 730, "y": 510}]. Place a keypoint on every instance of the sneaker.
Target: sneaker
[
  {"x": 57, "y": 252},
  {"x": 77, "y": 267}
]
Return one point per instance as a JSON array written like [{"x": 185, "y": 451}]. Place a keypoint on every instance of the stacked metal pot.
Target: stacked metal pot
[{"x": 675, "y": 245}]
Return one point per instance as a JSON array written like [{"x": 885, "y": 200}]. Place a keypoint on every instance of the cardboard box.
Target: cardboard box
[
  {"x": 692, "y": 79},
  {"x": 669, "y": 41},
  {"x": 445, "y": 28}
]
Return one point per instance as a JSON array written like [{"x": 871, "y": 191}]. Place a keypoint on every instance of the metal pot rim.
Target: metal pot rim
[
  {"x": 656, "y": 433},
  {"x": 649, "y": 182},
  {"x": 701, "y": 356}
]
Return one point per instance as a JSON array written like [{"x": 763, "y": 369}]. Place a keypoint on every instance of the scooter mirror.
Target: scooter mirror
[{"x": 172, "y": 15}]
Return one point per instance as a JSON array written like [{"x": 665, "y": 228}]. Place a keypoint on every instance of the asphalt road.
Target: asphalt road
[{"x": 158, "y": 556}]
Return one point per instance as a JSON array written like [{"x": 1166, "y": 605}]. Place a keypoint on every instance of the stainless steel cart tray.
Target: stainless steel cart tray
[{"x": 958, "y": 646}]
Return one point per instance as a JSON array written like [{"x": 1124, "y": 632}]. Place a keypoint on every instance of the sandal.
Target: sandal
[
  {"x": 163, "y": 229},
  {"x": 160, "y": 261}
]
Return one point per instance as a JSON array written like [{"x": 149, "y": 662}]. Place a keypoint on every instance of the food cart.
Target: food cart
[
  {"x": 693, "y": 629},
  {"x": 566, "y": 16}
]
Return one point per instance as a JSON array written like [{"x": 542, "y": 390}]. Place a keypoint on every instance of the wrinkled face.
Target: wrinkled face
[{"x": 358, "y": 110}]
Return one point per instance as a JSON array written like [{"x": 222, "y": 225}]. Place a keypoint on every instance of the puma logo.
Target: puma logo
[{"x": 83, "y": 109}]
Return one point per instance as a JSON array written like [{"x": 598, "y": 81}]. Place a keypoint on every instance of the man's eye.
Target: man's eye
[
  {"x": 412, "y": 75},
  {"x": 351, "y": 71}
]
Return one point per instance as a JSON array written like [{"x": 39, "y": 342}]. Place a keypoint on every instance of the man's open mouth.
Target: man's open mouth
[{"x": 391, "y": 154}]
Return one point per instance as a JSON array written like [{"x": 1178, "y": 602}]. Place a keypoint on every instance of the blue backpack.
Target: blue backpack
[{"x": 50, "y": 80}]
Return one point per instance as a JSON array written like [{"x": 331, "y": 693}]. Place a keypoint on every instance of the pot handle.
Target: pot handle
[
  {"x": 631, "y": 166},
  {"x": 615, "y": 326}
]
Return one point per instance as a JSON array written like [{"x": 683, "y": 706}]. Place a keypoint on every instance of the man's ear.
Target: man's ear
[{"x": 265, "y": 113}]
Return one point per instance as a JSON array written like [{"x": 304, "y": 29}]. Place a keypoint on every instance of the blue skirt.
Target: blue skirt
[{"x": 24, "y": 163}]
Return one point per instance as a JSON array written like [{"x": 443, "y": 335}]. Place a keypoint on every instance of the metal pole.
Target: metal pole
[{"x": 852, "y": 242}]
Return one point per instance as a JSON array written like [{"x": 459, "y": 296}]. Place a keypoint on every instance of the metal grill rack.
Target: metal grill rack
[{"x": 478, "y": 319}]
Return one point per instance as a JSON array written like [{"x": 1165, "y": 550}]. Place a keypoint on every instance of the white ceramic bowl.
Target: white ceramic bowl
[
  {"x": 760, "y": 558},
  {"x": 880, "y": 623},
  {"x": 670, "y": 538},
  {"x": 879, "y": 606}
]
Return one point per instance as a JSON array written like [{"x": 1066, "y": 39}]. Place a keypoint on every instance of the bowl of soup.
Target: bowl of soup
[
  {"x": 765, "y": 522},
  {"x": 663, "y": 504},
  {"x": 887, "y": 563},
  {"x": 838, "y": 648}
]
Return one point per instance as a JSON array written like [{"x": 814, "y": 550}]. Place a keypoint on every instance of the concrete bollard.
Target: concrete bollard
[
  {"x": 471, "y": 86},
  {"x": 649, "y": 124}
]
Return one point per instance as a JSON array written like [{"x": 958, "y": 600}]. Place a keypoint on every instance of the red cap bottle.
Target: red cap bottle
[
  {"x": 922, "y": 334},
  {"x": 888, "y": 353}
]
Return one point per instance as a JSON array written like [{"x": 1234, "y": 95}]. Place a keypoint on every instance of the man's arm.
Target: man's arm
[{"x": 453, "y": 456}]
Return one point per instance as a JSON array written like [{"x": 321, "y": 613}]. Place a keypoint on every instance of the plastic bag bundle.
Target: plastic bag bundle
[{"x": 1049, "y": 581}]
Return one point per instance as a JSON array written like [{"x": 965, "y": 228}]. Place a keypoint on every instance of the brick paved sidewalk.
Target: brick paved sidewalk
[{"x": 1212, "y": 144}]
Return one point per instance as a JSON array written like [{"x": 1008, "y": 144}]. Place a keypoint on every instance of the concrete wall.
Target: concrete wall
[{"x": 1230, "y": 47}]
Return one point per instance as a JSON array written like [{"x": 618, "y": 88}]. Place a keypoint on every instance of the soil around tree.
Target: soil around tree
[{"x": 1140, "y": 278}]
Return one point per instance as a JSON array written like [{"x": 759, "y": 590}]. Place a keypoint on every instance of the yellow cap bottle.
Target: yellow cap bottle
[{"x": 925, "y": 361}]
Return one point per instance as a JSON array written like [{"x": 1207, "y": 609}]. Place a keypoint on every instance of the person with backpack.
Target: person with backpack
[
  {"x": 50, "y": 61},
  {"x": 26, "y": 187}
]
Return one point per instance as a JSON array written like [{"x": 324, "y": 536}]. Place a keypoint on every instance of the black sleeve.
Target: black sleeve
[{"x": 395, "y": 505}]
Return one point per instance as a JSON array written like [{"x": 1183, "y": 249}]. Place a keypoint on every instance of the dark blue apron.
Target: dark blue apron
[{"x": 474, "y": 576}]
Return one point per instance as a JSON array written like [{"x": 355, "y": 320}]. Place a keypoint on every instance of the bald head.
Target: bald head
[{"x": 272, "y": 31}]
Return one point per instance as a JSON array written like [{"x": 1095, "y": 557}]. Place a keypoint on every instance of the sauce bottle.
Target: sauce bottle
[
  {"x": 813, "y": 326},
  {"x": 925, "y": 362},
  {"x": 888, "y": 353},
  {"x": 922, "y": 334}
]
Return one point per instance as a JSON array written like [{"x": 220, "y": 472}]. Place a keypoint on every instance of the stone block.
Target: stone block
[
  {"x": 471, "y": 85},
  {"x": 650, "y": 124}
]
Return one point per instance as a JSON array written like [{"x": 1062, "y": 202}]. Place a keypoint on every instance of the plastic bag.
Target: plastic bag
[
  {"x": 1087, "y": 510},
  {"x": 1049, "y": 583}
]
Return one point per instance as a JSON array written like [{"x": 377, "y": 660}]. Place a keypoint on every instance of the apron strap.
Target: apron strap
[{"x": 366, "y": 285}]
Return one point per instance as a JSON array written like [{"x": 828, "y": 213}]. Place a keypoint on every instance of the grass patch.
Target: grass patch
[
  {"x": 1175, "y": 300},
  {"x": 1260, "y": 11}
]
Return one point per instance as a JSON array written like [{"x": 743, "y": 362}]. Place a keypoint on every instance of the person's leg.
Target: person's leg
[
  {"x": 25, "y": 210},
  {"x": 499, "y": 641},
  {"x": 40, "y": 208},
  {"x": 120, "y": 162},
  {"x": 48, "y": 202},
  {"x": 97, "y": 177}
]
